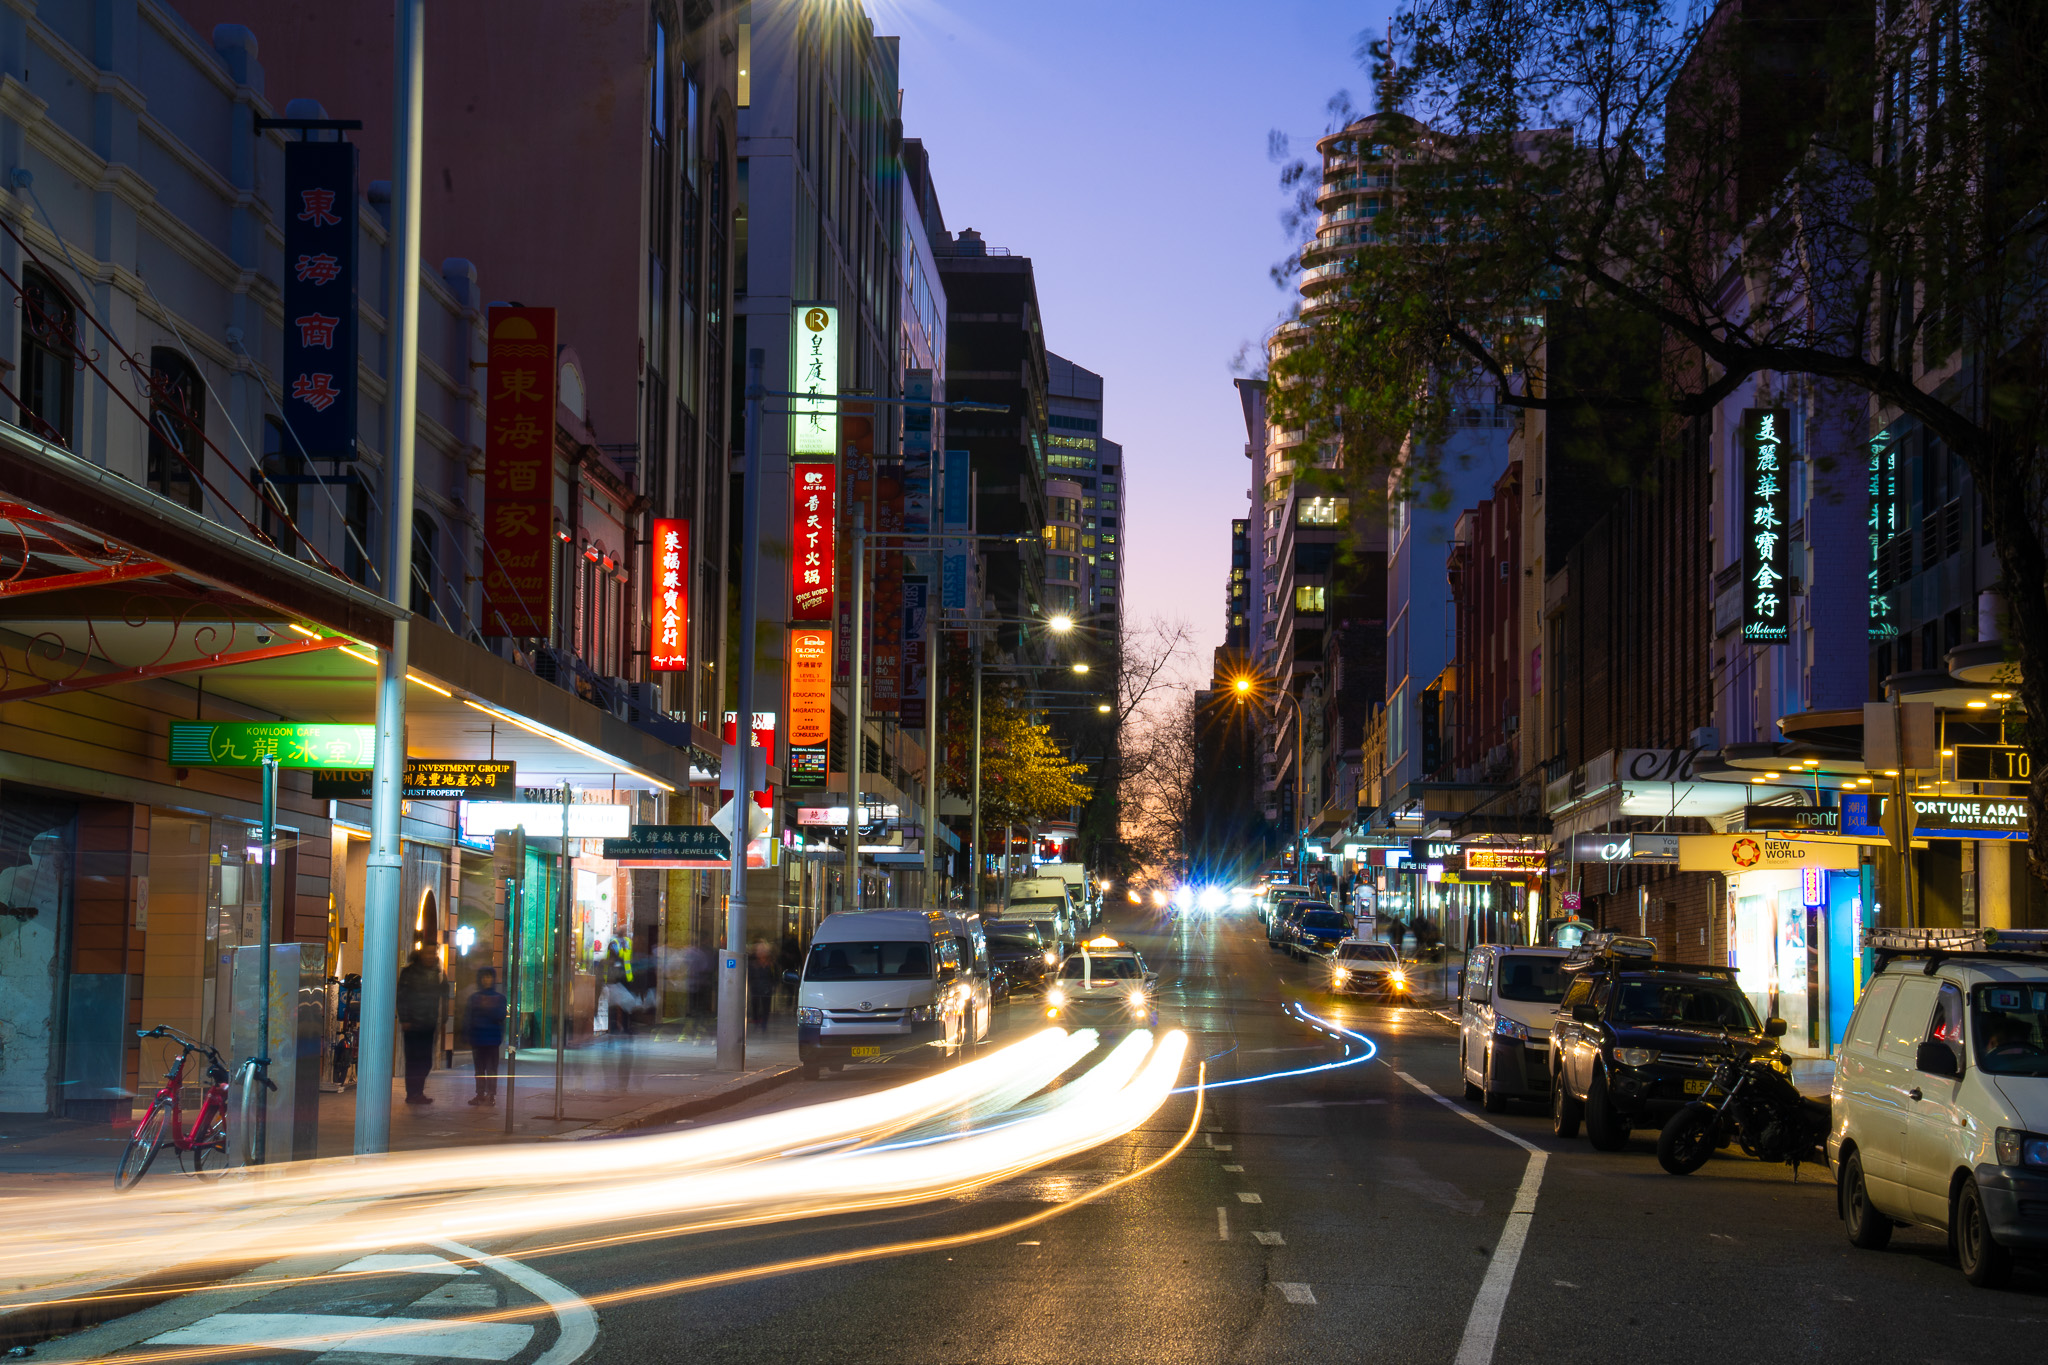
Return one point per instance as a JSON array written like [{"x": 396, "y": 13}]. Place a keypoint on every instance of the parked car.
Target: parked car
[
  {"x": 1316, "y": 932},
  {"x": 1940, "y": 1097},
  {"x": 1363, "y": 967},
  {"x": 1274, "y": 895},
  {"x": 998, "y": 986},
  {"x": 1015, "y": 950},
  {"x": 1635, "y": 1039},
  {"x": 1045, "y": 927},
  {"x": 1507, "y": 1001},
  {"x": 1280, "y": 929}
]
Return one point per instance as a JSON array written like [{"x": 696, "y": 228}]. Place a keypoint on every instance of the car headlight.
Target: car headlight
[
  {"x": 1635, "y": 1056},
  {"x": 2017, "y": 1147},
  {"x": 1056, "y": 996},
  {"x": 1504, "y": 1027},
  {"x": 1342, "y": 973},
  {"x": 921, "y": 1014},
  {"x": 1398, "y": 980},
  {"x": 1138, "y": 1002},
  {"x": 806, "y": 1015},
  {"x": 1051, "y": 957}
]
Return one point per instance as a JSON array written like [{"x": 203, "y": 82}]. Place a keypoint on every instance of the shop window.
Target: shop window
[
  {"x": 37, "y": 844},
  {"x": 49, "y": 348}
]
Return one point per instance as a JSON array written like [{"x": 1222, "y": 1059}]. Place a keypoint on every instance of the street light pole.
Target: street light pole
[
  {"x": 974, "y": 862},
  {"x": 384, "y": 874},
  {"x": 732, "y": 980}
]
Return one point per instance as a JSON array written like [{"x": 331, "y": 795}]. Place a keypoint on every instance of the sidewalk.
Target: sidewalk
[{"x": 612, "y": 1085}]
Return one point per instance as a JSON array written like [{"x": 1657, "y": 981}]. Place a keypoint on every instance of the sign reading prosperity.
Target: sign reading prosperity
[
  {"x": 427, "y": 779},
  {"x": 1518, "y": 860},
  {"x": 668, "y": 616},
  {"x": 810, "y": 705},
  {"x": 320, "y": 299},
  {"x": 519, "y": 473},
  {"x": 245, "y": 744},
  {"x": 814, "y": 368},
  {"x": 1766, "y": 510},
  {"x": 1883, "y": 525},
  {"x": 814, "y": 508}
]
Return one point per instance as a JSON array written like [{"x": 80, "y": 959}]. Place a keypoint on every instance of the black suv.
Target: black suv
[
  {"x": 1280, "y": 929},
  {"x": 1636, "y": 1038}
]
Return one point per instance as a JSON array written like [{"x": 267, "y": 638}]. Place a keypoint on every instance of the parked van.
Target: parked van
[
  {"x": 1031, "y": 897},
  {"x": 888, "y": 986},
  {"x": 1509, "y": 997},
  {"x": 1087, "y": 905},
  {"x": 1940, "y": 1098},
  {"x": 970, "y": 936}
]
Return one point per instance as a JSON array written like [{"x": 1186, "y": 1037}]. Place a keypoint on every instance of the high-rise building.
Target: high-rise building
[{"x": 1078, "y": 455}]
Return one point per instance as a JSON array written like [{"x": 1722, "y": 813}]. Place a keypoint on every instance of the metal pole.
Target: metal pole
[
  {"x": 1300, "y": 793},
  {"x": 732, "y": 978},
  {"x": 511, "y": 1053},
  {"x": 856, "y": 759},
  {"x": 387, "y": 788},
  {"x": 563, "y": 956},
  {"x": 974, "y": 861},
  {"x": 1905, "y": 816},
  {"x": 262, "y": 1141}
]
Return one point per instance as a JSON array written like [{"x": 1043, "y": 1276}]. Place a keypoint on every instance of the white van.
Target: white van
[
  {"x": 1940, "y": 1098},
  {"x": 1079, "y": 891},
  {"x": 888, "y": 986},
  {"x": 1035, "y": 897},
  {"x": 1508, "y": 998}
]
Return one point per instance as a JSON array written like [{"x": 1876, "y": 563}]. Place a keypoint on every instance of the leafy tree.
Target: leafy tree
[
  {"x": 1810, "y": 197},
  {"x": 1024, "y": 776}
]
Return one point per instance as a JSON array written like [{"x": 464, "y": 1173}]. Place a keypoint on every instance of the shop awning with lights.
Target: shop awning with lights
[{"x": 104, "y": 583}]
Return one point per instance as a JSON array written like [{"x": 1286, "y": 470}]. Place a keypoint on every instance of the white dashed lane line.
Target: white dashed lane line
[
  {"x": 1222, "y": 1224},
  {"x": 1269, "y": 1239},
  {"x": 1295, "y": 1293},
  {"x": 1245, "y": 1197}
]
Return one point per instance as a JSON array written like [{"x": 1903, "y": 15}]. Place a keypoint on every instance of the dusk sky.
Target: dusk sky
[{"x": 1122, "y": 145}]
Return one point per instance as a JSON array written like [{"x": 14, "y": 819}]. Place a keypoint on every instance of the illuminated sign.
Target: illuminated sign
[
  {"x": 543, "y": 819},
  {"x": 1505, "y": 860},
  {"x": 810, "y": 706},
  {"x": 1993, "y": 763},
  {"x": 320, "y": 233},
  {"x": 519, "y": 473},
  {"x": 814, "y": 509},
  {"x": 764, "y": 730},
  {"x": 1761, "y": 853},
  {"x": 426, "y": 779},
  {"x": 1883, "y": 525},
  {"x": 814, "y": 368},
  {"x": 835, "y": 816},
  {"x": 672, "y": 846},
  {"x": 1766, "y": 514},
  {"x": 668, "y": 616},
  {"x": 245, "y": 744}
]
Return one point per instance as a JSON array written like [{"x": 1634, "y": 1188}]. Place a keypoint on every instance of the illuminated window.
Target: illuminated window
[
  {"x": 1309, "y": 600},
  {"x": 1060, "y": 537},
  {"x": 1323, "y": 511}
]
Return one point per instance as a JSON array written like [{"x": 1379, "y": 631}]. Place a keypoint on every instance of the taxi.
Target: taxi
[{"x": 1102, "y": 982}]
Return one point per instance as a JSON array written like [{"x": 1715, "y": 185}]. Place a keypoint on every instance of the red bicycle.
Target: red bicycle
[{"x": 206, "y": 1141}]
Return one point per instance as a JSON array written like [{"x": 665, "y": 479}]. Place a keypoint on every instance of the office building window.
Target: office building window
[
  {"x": 1309, "y": 599},
  {"x": 49, "y": 346},
  {"x": 1060, "y": 568},
  {"x": 426, "y": 540}
]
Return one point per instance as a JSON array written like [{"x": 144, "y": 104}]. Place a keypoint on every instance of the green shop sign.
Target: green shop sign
[{"x": 245, "y": 744}]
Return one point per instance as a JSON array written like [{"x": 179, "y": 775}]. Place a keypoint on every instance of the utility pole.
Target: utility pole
[
  {"x": 857, "y": 743},
  {"x": 565, "y": 909},
  {"x": 933, "y": 650},
  {"x": 387, "y": 788},
  {"x": 732, "y": 979},
  {"x": 974, "y": 861}
]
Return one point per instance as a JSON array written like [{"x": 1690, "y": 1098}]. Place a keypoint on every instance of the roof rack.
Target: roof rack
[
  {"x": 1937, "y": 945},
  {"x": 1606, "y": 948}
]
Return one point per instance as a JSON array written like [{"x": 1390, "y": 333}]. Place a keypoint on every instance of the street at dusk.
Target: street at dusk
[{"x": 911, "y": 682}]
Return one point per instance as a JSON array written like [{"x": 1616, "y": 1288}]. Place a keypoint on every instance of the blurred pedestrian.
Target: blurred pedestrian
[
  {"x": 697, "y": 975},
  {"x": 420, "y": 991},
  {"x": 761, "y": 982},
  {"x": 791, "y": 959},
  {"x": 484, "y": 1022},
  {"x": 618, "y": 987}
]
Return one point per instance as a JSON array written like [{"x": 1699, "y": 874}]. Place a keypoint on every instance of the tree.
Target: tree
[
  {"x": 1024, "y": 776},
  {"x": 1796, "y": 197}
]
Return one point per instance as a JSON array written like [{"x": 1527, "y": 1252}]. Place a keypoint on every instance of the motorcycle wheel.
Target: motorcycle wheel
[
  {"x": 1687, "y": 1140},
  {"x": 1605, "y": 1129}
]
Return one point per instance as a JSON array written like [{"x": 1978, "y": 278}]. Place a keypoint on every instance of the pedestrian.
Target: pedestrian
[
  {"x": 484, "y": 1022},
  {"x": 619, "y": 987},
  {"x": 761, "y": 981},
  {"x": 791, "y": 959},
  {"x": 419, "y": 1018}
]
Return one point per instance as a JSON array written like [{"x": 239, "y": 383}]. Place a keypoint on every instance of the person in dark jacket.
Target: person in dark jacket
[
  {"x": 761, "y": 983},
  {"x": 484, "y": 1022},
  {"x": 419, "y": 1018}
]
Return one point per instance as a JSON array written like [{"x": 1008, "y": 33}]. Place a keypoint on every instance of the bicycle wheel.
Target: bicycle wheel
[
  {"x": 210, "y": 1149},
  {"x": 143, "y": 1147}
]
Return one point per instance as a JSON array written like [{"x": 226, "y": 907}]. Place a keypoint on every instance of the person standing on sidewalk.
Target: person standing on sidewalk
[
  {"x": 761, "y": 984},
  {"x": 484, "y": 1022},
  {"x": 419, "y": 1017}
]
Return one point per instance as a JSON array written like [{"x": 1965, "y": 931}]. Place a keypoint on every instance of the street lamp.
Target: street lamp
[{"x": 1243, "y": 688}]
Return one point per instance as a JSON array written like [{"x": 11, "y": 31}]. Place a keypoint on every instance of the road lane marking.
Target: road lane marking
[
  {"x": 1482, "y": 1326},
  {"x": 1248, "y": 1198},
  {"x": 1222, "y": 1223},
  {"x": 1269, "y": 1239},
  {"x": 1233, "y": 1168},
  {"x": 355, "y": 1332},
  {"x": 575, "y": 1319},
  {"x": 459, "y": 1296},
  {"x": 414, "y": 1264},
  {"x": 1295, "y": 1293}
]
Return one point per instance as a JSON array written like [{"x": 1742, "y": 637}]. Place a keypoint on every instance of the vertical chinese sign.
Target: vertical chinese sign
[
  {"x": 956, "y": 487},
  {"x": 1884, "y": 524},
  {"x": 814, "y": 506},
  {"x": 1766, "y": 510},
  {"x": 920, "y": 562},
  {"x": 916, "y": 660},
  {"x": 859, "y": 492},
  {"x": 320, "y": 298},
  {"x": 885, "y": 602},
  {"x": 810, "y": 705},
  {"x": 668, "y": 616},
  {"x": 814, "y": 368},
  {"x": 519, "y": 473}
]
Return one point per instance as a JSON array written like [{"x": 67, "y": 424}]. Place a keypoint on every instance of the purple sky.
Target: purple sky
[{"x": 1121, "y": 144}]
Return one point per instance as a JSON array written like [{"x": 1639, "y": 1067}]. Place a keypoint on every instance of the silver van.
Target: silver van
[{"x": 888, "y": 986}]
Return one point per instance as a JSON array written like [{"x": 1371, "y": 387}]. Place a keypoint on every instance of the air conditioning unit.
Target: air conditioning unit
[
  {"x": 552, "y": 666},
  {"x": 643, "y": 701}
]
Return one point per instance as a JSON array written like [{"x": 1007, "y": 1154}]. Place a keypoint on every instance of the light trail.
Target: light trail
[
  {"x": 749, "y": 1172},
  {"x": 1317, "y": 1022},
  {"x": 692, "y": 1283}
]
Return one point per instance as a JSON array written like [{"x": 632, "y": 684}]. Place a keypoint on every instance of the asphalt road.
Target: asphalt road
[{"x": 1363, "y": 1211}]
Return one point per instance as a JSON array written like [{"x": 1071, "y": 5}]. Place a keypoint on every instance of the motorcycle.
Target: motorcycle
[{"x": 1750, "y": 1101}]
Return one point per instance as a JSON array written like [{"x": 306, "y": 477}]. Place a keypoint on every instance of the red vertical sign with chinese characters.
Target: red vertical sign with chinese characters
[
  {"x": 814, "y": 503},
  {"x": 519, "y": 473},
  {"x": 668, "y": 615}
]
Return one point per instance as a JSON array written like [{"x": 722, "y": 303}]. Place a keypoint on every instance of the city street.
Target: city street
[{"x": 1357, "y": 1212}]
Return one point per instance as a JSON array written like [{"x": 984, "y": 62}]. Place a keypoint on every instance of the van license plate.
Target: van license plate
[
  {"x": 867, "y": 1052},
  {"x": 1695, "y": 1087}
]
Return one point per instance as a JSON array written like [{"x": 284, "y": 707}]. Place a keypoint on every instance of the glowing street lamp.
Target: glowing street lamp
[{"x": 1061, "y": 623}]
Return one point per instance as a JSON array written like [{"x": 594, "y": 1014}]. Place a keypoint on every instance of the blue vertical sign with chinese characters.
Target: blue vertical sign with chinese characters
[
  {"x": 320, "y": 298},
  {"x": 956, "y": 488},
  {"x": 1766, "y": 511}
]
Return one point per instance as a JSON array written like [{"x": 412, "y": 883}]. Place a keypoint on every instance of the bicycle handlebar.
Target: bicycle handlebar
[{"x": 190, "y": 1044}]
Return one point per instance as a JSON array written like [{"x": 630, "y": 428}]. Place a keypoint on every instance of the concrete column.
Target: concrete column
[{"x": 1995, "y": 881}]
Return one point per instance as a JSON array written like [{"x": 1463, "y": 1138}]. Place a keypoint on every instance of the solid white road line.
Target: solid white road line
[
  {"x": 1269, "y": 1239},
  {"x": 1482, "y": 1325},
  {"x": 415, "y": 1264},
  {"x": 1222, "y": 1223},
  {"x": 354, "y": 1333},
  {"x": 1295, "y": 1293},
  {"x": 574, "y": 1317},
  {"x": 1245, "y": 1198}
]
